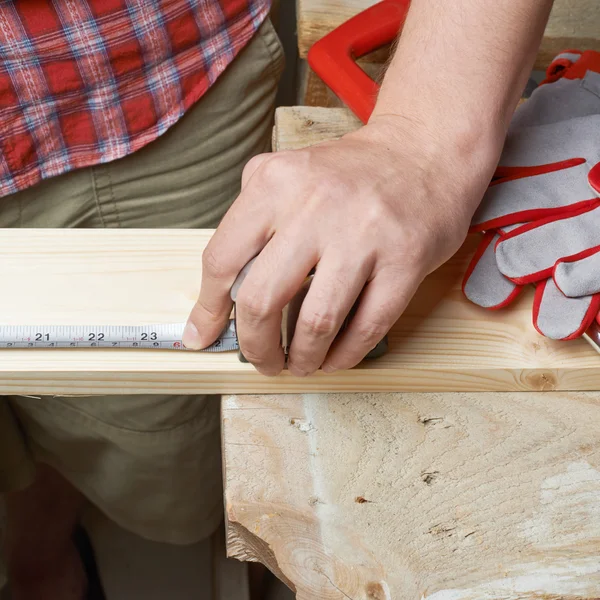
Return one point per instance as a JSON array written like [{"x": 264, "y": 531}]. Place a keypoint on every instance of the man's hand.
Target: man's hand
[
  {"x": 378, "y": 210},
  {"x": 374, "y": 212}
]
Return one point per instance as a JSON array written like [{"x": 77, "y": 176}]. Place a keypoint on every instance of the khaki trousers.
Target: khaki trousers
[{"x": 150, "y": 463}]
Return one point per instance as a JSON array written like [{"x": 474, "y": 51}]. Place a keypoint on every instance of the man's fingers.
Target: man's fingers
[
  {"x": 383, "y": 301},
  {"x": 206, "y": 322},
  {"x": 333, "y": 291},
  {"x": 276, "y": 276},
  {"x": 548, "y": 194},
  {"x": 241, "y": 236}
]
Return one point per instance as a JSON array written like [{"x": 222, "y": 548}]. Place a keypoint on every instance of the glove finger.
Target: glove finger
[
  {"x": 579, "y": 275},
  {"x": 483, "y": 284},
  {"x": 528, "y": 254},
  {"x": 535, "y": 197},
  {"x": 560, "y": 318}
]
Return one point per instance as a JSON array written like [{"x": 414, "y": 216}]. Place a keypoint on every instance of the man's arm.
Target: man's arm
[
  {"x": 381, "y": 208},
  {"x": 460, "y": 67}
]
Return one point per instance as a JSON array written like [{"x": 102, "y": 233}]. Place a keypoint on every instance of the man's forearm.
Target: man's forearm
[{"x": 463, "y": 64}]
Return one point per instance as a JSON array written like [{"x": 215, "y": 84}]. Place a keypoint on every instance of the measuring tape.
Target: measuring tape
[{"x": 159, "y": 336}]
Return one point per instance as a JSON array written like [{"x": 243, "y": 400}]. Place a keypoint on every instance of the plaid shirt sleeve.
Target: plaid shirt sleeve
[{"x": 84, "y": 82}]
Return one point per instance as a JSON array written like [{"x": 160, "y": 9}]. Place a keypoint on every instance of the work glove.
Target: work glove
[{"x": 541, "y": 214}]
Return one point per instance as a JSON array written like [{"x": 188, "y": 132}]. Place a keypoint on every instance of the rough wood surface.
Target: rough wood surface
[
  {"x": 301, "y": 126},
  {"x": 147, "y": 276},
  {"x": 572, "y": 24},
  {"x": 417, "y": 496}
]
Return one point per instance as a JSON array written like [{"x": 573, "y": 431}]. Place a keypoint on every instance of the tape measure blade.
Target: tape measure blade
[{"x": 153, "y": 336}]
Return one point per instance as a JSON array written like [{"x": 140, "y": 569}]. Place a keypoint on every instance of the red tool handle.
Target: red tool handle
[{"x": 333, "y": 57}]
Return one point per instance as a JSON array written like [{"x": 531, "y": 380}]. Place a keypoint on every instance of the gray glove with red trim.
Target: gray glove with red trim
[{"x": 541, "y": 213}]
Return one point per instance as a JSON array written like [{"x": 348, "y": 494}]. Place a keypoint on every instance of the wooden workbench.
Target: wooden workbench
[
  {"x": 409, "y": 496},
  {"x": 443, "y": 496}
]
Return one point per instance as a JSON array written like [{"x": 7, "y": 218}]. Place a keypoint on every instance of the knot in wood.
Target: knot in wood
[
  {"x": 375, "y": 591},
  {"x": 542, "y": 381}
]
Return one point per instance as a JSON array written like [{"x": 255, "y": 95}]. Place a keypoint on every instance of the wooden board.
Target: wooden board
[
  {"x": 442, "y": 342},
  {"x": 146, "y": 276},
  {"x": 417, "y": 496},
  {"x": 301, "y": 126},
  {"x": 572, "y": 24}
]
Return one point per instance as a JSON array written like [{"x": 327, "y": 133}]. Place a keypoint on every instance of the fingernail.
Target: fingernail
[
  {"x": 328, "y": 369},
  {"x": 191, "y": 337},
  {"x": 295, "y": 371}
]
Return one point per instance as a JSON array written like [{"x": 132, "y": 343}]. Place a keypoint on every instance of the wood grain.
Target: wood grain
[
  {"x": 442, "y": 343},
  {"x": 572, "y": 24},
  {"x": 417, "y": 496},
  {"x": 301, "y": 126}
]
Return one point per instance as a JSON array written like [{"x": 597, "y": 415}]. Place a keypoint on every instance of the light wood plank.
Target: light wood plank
[
  {"x": 146, "y": 276},
  {"x": 572, "y": 24},
  {"x": 417, "y": 496}
]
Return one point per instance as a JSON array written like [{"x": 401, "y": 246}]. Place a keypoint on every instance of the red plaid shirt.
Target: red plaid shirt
[{"x": 84, "y": 82}]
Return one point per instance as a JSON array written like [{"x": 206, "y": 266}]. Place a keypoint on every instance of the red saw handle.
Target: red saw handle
[{"x": 333, "y": 57}]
